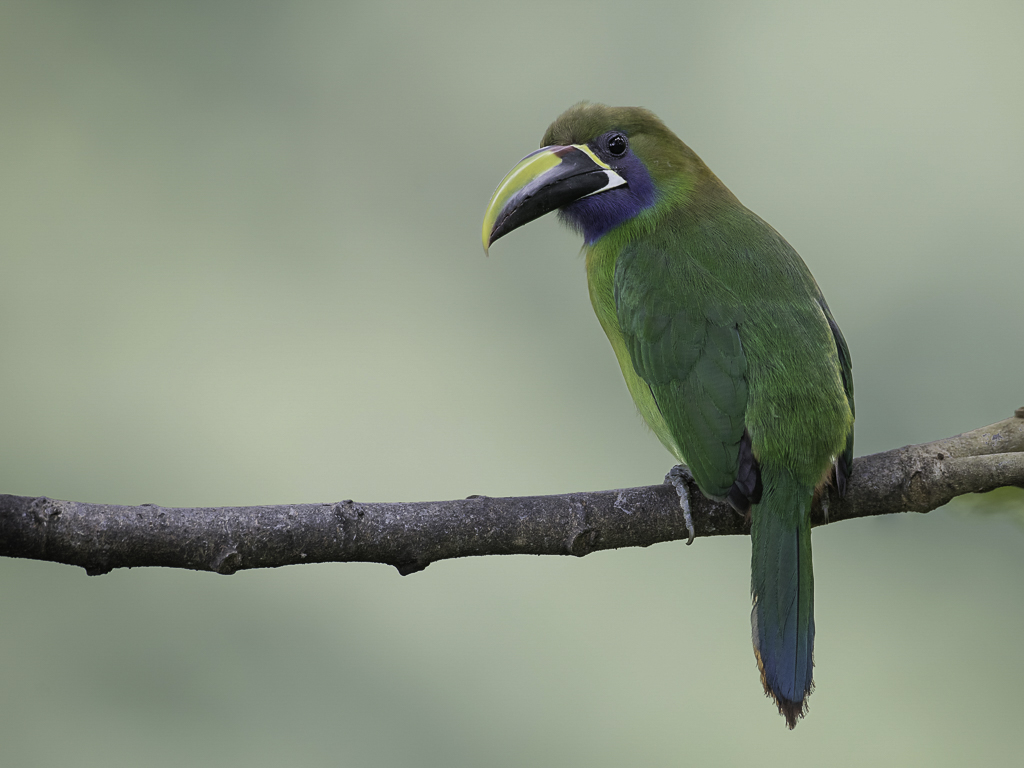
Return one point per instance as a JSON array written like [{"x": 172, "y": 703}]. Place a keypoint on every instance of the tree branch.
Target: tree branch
[{"x": 410, "y": 536}]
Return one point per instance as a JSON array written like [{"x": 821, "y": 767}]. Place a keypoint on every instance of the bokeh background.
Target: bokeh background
[{"x": 240, "y": 263}]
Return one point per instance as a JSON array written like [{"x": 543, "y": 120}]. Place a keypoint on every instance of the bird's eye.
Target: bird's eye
[{"x": 617, "y": 144}]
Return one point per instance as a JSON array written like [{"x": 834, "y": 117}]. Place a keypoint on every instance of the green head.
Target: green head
[{"x": 600, "y": 167}]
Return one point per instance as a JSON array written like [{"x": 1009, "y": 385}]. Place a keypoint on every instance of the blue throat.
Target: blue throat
[{"x": 596, "y": 215}]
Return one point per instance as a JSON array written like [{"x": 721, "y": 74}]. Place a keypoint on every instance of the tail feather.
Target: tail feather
[{"x": 782, "y": 586}]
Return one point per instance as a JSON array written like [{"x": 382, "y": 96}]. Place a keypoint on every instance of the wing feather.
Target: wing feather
[{"x": 685, "y": 342}]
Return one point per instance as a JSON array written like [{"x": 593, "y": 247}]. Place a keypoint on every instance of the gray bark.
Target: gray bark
[{"x": 410, "y": 536}]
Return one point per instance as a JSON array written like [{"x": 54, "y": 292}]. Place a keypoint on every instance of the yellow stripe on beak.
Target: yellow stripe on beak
[{"x": 542, "y": 181}]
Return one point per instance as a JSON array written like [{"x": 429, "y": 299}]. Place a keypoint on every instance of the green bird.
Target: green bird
[{"x": 724, "y": 339}]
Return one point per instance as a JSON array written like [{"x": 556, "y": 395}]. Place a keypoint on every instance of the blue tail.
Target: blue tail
[{"x": 782, "y": 585}]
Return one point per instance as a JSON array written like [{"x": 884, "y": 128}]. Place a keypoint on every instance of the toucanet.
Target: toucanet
[{"x": 724, "y": 339}]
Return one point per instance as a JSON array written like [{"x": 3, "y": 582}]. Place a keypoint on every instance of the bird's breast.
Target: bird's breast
[{"x": 600, "y": 282}]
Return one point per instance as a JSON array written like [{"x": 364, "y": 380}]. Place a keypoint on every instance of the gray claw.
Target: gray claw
[{"x": 677, "y": 477}]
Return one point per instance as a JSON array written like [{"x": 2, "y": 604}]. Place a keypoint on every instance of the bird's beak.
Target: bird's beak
[{"x": 543, "y": 181}]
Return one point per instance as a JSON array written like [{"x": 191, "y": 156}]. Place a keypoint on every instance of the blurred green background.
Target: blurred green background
[{"x": 240, "y": 260}]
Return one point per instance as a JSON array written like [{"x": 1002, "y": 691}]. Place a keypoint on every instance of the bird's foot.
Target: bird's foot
[
  {"x": 824, "y": 504},
  {"x": 677, "y": 477}
]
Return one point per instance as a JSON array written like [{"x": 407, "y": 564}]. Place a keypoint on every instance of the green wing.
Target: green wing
[
  {"x": 844, "y": 464},
  {"x": 681, "y": 328}
]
